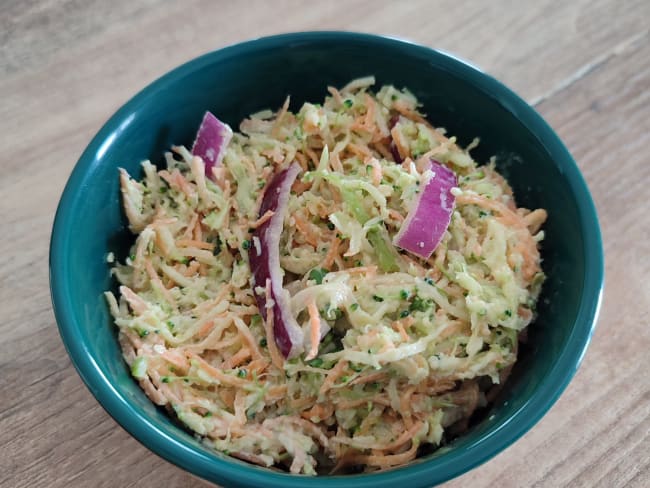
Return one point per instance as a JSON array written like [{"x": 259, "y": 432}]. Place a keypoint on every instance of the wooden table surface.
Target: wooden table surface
[{"x": 67, "y": 65}]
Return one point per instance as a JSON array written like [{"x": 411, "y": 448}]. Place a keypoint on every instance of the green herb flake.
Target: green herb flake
[
  {"x": 316, "y": 363},
  {"x": 377, "y": 298},
  {"x": 246, "y": 245},
  {"x": 317, "y": 274},
  {"x": 404, "y": 295},
  {"x": 419, "y": 304},
  {"x": 217, "y": 246},
  {"x": 263, "y": 342},
  {"x": 404, "y": 313},
  {"x": 348, "y": 103},
  {"x": 354, "y": 307},
  {"x": 242, "y": 373}
]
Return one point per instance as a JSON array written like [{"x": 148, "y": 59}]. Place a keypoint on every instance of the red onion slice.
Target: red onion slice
[
  {"x": 428, "y": 219},
  {"x": 211, "y": 140},
  {"x": 265, "y": 263}
]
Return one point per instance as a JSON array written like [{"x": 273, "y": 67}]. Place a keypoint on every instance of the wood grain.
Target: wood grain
[{"x": 65, "y": 66}]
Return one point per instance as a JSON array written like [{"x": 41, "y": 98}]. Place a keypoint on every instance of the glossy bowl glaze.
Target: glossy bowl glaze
[{"x": 238, "y": 80}]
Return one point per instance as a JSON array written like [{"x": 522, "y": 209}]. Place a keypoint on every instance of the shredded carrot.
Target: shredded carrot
[
  {"x": 190, "y": 269},
  {"x": 371, "y": 108},
  {"x": 409, "y": 113},
  {"x": 219, "y": 173},
  {"x": 152, "y": 392},
  {"x": 245, "y": 332},
  {"x": 305, "y": 229},
  {"x": 404, "y": 437},
  {"x": 525, "y": 313},
  {"x": 376, "y": 171},
  {"x": 319, "y": 411},
  {"x": 399, "y": 327},
  {"x": 535, "y": 219},
  {"x": 176, "y": 358},
  {"x": 336, "y": 94},
  {"x": 205, "y": 329},
  {"x": 137, "y": 304},
  {"x": 280, "y": 116},
  {"x": 240, "y": 407},
  {"x": 405, "y": 406},
  {"x": 302, "y": 161},
  {"x": 361, "y": 151},
  {"x": 264, "y": 218},
  {"x": 510, "y": 217},
  {"x": 258, "y": 366},
  {"x": 367, "y": 270},
  {"x": 335, "y": 373},
  {"x": 217, "y": 374},
  {"x": 236, "y": 359},
  {"x": 227, "y": 396},
  {"x": 331, "y": 253},
  {"x": 312, "y": 155},
  {"x": 335, "y": 162},
  {"x": 192, "y": 243},
  {"x": 190, "y": 226},
  {"x": 314, "y": 327},
  {"x": 400, "y": 143},
  {"x": 395, "y": 215},
  {"x": 369, "y": 378},
  {"x": 382, "y": 149},
  {"x": 385, "y": 461},
  {"x": 378, "y": 399}
]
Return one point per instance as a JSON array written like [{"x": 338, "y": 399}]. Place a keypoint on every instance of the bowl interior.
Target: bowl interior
[{"x": 237, "y": 81}]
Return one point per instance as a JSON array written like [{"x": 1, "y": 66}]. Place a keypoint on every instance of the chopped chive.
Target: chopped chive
[
  {"x": 354, "y": 307},
  {"x": 263, "y": 342},
  {"x": 242, "y": 373},
  {"x": 316, "y": 363},
  {"x": 348, "y": 102},
  {"x": 165, "y": 379},
  {"x": 377, "y": 298},
  {"x": 331, "y": 226},
  {"x": 404, "y": 313},
  {"x": 403, "y": 294},
  {"x": 246, "y": 245}
]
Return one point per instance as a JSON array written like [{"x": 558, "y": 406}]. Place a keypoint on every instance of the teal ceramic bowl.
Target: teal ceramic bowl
[{"x": 238, "y": 80}]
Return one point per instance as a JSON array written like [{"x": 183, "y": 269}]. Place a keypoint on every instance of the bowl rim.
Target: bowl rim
[{"x": 436, "y": 470}]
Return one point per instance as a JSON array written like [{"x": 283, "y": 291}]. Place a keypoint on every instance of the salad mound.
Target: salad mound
[{"x": 333, "y": 290}]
